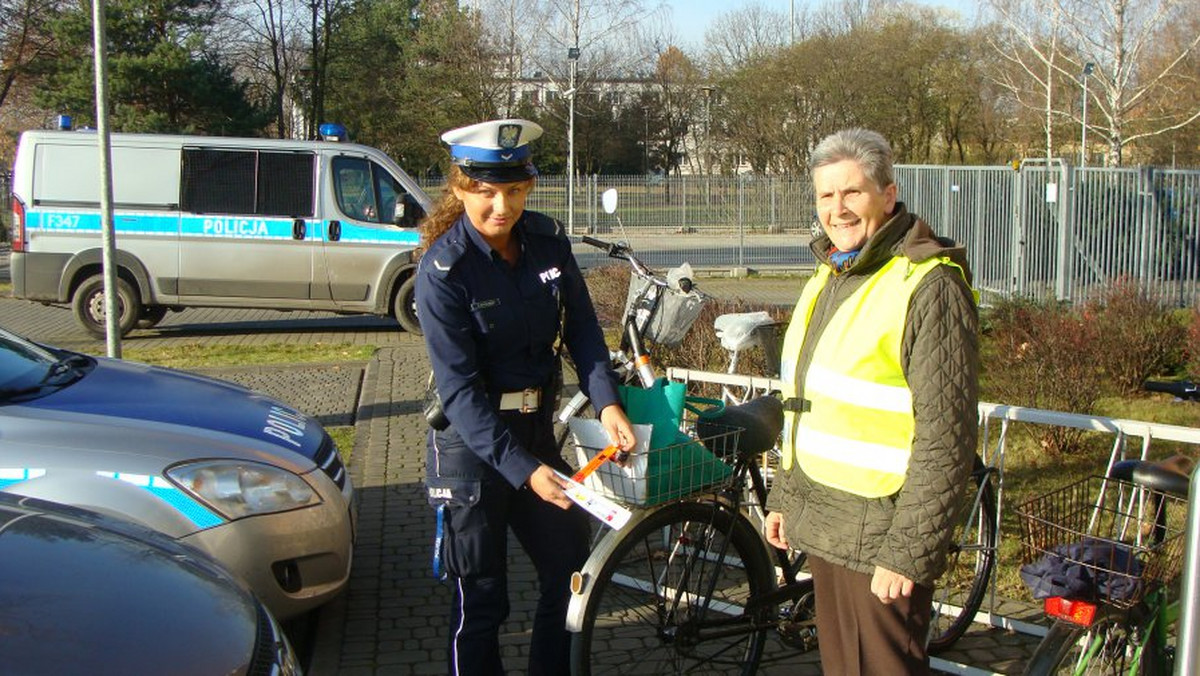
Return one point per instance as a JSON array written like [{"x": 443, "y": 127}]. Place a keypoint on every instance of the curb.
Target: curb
[{"x": 331, "y": 623}]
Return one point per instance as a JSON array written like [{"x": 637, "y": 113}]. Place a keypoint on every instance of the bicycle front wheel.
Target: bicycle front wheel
[
  {"x": 671, "y": 597},
  {"x": 1108, "y": 647},
  {"x": 959, "y": 592}
]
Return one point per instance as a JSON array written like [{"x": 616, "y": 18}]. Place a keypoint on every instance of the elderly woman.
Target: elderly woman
[
  {"x": 880, "y": 370},
  {"x": 497, "y": 291}
]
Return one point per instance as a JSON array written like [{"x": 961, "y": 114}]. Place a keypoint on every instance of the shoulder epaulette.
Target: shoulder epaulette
[
  {"x": 541, "y": 224},
  {"x": 444, "y": 253}
]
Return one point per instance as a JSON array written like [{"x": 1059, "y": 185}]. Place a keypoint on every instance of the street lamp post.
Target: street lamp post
[
  {"x": 706, "y": 156},
  {"x": 1087, "y": 71},
  {"x": 313, "y": 123},
  {"x": 646, "y": 140},
  {"x": 573, "y": 60}
]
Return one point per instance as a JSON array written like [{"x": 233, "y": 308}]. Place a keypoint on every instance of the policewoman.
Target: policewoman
[{"x": 497, "y": 290}]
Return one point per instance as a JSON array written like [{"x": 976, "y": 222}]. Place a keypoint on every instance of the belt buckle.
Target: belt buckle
[{"x": 526, "y": 395}]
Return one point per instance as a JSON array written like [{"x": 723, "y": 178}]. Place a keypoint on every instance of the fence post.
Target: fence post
[
  {"x": 1148, "y": 218},
  {"x": 1066, "y": 221},
  {"x": 683, "y": 225},
  {"x": 741, "y": 192},
  {"x": 771, "y": 217},
  {"x": 1018, "y": 240}
]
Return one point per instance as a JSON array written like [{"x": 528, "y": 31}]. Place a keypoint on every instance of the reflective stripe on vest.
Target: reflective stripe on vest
[{"x": 856, "y": 431}]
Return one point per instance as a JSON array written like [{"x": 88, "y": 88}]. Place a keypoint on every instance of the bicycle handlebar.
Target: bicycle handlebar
[{"x": 1184, "y": 389}]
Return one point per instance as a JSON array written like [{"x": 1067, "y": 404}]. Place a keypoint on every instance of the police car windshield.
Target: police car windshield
[{"x": 26, "y": 368}]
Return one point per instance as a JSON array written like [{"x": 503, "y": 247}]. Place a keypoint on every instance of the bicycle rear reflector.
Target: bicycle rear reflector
[{"x": 1077, "y": 612}]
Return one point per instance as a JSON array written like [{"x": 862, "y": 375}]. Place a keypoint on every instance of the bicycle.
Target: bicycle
[
  {"x": 720, "y": 512},
  {"x": 1124, "y": 532},
  {"x": 659, "y": 309},
  {"x": 691, "y": 585}
]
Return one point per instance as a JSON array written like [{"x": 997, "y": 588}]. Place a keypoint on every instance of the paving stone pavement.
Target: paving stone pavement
[{"x": 393, "y": 619}]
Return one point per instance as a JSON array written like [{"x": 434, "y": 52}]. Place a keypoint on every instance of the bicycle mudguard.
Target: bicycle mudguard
[
  {"x": 581, "y": 587},
  {"x": 760, "y": 421}
]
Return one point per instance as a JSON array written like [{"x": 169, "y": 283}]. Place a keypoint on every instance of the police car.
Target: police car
[
  {"x": 86, "y": 594},
  {"x": 244, "y": 478}
]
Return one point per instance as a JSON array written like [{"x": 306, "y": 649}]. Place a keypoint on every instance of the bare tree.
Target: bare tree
[
  {"x": 266, "y": 39},
  {"x": 22, "y": 38},
  {"x": 1119, "y": 38},
  {"x": 747, "y": 34}
]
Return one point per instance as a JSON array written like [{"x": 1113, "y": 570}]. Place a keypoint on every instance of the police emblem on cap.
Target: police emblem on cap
[{"x": 508, "y": 136}]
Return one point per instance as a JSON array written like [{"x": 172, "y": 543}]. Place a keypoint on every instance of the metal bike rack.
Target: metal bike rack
[
  {"x": 1187, "y": 649},
  {"x": 1124, "y": 432}
]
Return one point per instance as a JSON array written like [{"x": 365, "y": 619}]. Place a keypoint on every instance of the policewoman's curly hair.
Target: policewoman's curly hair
[{"x": 448, "y": 208}]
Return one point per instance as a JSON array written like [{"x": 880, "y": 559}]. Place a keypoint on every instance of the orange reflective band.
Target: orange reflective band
[{"x": 600, "y": 458}]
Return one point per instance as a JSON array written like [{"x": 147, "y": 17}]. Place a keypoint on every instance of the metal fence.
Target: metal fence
[{"x": 1043, "y": 230}]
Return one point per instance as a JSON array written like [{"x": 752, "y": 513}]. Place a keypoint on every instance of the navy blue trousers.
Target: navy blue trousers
[{"x": 480, "y": 507}]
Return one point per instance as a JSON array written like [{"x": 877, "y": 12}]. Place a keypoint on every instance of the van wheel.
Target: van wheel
[
  {"x": 151, "y": 315},
  {"x": 404, "y": 306},
  {"x": 88, "y": 306}
]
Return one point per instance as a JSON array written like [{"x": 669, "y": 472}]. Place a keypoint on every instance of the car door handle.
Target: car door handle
[
  {"x": 299, "y": 229},
  {"x": 335, "y": 231}
]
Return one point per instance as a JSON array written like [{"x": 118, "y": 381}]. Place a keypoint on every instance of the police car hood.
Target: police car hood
[
  {"x": 195, "y": 411},
  {"x": 86, "y": 594}
]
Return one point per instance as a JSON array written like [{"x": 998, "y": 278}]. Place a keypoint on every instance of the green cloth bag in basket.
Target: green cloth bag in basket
[{"x": 677, "y": 464}]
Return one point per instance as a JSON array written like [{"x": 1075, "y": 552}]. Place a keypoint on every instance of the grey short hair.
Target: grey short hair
[{"x": 868, "y": 148}]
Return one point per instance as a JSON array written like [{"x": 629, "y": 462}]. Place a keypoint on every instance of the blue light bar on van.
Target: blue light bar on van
[
  {"x": 331, "y": 131},
  {"x": 63, "y": 123}
]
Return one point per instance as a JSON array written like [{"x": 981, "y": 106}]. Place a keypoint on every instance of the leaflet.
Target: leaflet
[{"x": 607, "y": 511}]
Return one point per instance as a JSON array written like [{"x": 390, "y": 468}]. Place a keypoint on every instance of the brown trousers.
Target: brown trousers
[{"x": 858, "y": 635}]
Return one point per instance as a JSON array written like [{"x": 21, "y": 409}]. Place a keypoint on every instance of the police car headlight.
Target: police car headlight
[{"x": 237, "y": 489}]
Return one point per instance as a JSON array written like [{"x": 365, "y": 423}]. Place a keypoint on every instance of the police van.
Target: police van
[{"x": 215, "y": 222}]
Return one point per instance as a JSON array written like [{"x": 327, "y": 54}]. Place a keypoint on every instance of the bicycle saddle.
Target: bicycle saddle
[
  {"x": 1152, "y": 475},
  {"x": 760, "y": 421}
]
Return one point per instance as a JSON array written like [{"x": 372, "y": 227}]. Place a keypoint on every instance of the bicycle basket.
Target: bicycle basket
[
  {"x": 1101, "y": 539},
  {"x": 674, "y": 472},
  {"x": 666, "y": 314}
]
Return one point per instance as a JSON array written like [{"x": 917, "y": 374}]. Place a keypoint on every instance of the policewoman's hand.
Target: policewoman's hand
[
  {"x": 548, "y": 486},
  {"x": 620, "y": 430}
]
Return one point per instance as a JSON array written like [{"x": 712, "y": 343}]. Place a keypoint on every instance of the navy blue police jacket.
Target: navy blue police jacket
[{"x": 491, "y": 328}]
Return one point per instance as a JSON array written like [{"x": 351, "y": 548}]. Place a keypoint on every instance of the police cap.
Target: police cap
[{"x": 496, "y": 151}]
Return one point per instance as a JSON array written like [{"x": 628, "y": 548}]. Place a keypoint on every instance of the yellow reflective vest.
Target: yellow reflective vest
[{"x": 852, "y": 426}]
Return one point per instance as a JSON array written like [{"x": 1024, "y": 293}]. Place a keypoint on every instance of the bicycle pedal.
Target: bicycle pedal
[{"x": 798, "y": 634}]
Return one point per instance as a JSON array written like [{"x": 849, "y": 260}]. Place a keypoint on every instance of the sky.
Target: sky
[{"x": 691, "y": 18}]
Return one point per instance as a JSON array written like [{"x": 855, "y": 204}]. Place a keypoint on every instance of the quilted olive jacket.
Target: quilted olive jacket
[{"x": 907, "y": 532}]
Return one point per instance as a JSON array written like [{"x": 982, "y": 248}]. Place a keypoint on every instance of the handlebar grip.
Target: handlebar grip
[
  {"x": 1158, "y": 386},
  {"x": 1182, "y": 389},
  {"x": 592, "y": 241}
]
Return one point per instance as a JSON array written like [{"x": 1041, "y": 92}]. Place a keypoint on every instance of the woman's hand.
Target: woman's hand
[
  {"x": 548, "y": 486},
  {"x": 773, "y": 530},
  {"x": 889, "y": 585},
  {"x": 620, "y": 430}
]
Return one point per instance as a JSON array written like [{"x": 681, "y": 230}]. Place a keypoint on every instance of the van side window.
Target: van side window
[
  {"x": 247, "y": 183},
  {"x": 365, "y": 190},
  {"x": 354, "y": 188}
]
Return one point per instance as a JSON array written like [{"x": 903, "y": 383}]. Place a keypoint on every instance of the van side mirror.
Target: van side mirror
[{"x": 408, "y": 212}]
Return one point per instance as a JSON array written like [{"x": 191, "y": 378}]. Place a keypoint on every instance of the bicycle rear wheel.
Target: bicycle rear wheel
[
  {"x": 1108, "y": 647},
  {"x": 959, "y": 592},
  {"x": 670, "y": 599}
]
